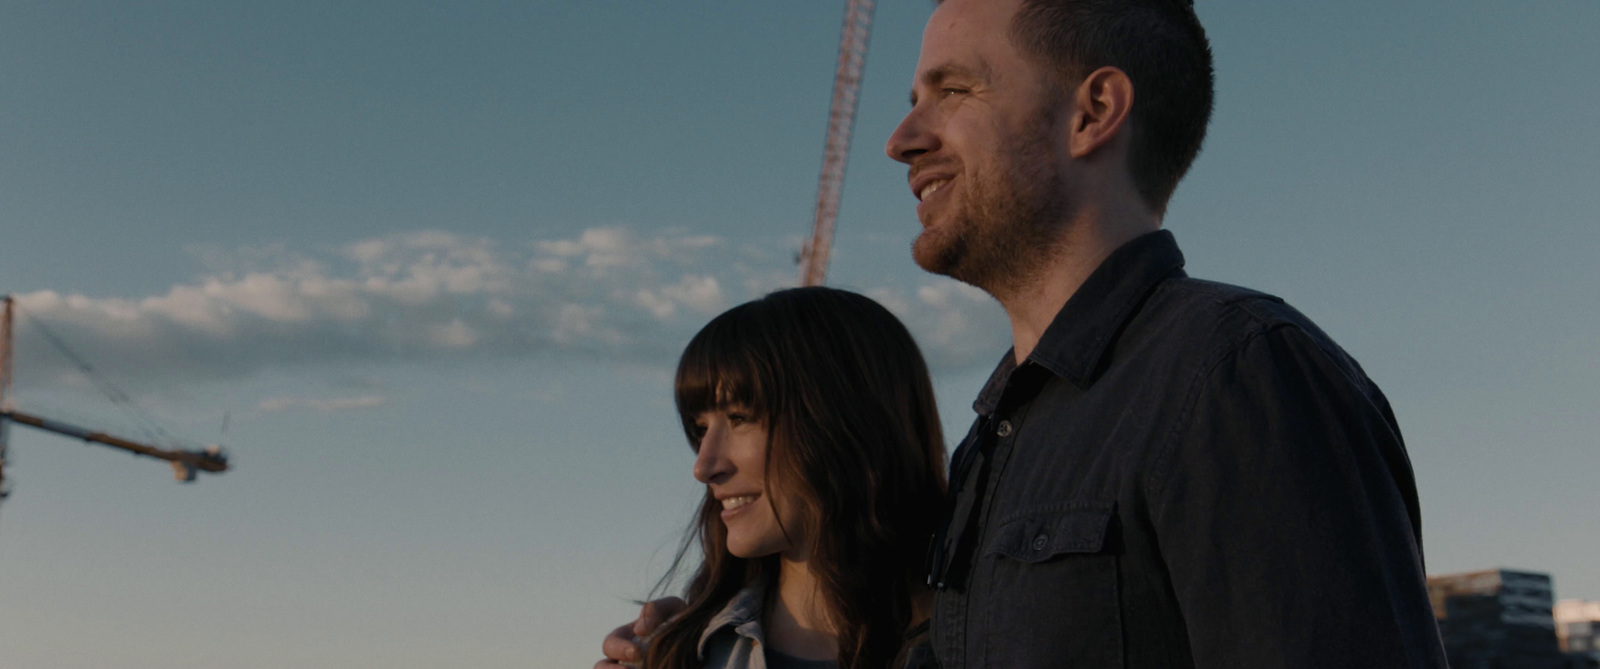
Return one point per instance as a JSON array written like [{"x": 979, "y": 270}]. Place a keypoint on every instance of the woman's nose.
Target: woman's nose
[{"x": 711, "y": 463}]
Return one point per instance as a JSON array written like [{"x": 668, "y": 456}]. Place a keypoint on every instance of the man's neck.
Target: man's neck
[
  {"x": 1085, "y": 243},
  {"x": 796, "y": 620}
]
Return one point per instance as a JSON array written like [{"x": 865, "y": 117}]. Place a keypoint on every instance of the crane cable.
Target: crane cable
[{"x": 142, "y": 419}]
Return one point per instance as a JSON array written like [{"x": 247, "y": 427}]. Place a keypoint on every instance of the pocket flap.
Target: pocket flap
[{"x": 1044, "y": 532}]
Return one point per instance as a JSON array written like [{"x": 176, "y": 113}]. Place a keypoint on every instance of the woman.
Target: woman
[{"x": 816, "y": 434}]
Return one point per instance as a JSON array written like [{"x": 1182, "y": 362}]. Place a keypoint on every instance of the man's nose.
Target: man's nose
[
  {"x": 911, "y": 138},
  {"x": 710, "y": 462}
]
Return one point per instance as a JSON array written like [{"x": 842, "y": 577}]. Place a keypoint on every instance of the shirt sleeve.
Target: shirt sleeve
[{"x": 1285, "y": 511}]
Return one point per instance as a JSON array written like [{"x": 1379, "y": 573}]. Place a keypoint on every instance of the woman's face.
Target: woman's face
[{"x": 732, "y": 462}]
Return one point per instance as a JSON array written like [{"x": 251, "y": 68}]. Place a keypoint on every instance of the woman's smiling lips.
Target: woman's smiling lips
[{"x": 733, "y": 504}]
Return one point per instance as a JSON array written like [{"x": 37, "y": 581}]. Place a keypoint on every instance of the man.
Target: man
[{"x": 1164, "y": 472}]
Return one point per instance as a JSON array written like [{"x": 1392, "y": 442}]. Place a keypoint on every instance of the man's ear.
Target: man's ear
[{"x": 1103, "y": 104}]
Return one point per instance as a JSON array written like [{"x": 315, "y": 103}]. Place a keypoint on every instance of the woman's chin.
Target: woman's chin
[{"x": 751, "y": 551}]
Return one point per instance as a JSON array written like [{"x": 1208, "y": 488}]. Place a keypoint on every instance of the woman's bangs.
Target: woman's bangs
[{"x": 717, "y": 371}]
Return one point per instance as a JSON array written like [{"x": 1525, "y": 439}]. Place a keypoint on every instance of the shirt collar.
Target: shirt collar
[
  {"x": 1083, "y": 330},
  {"x": 742, "y": 613}
]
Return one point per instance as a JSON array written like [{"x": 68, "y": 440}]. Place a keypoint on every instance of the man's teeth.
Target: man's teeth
[
  {"x": 732, "y": 503},
  {"x": 930, "y": 188}
]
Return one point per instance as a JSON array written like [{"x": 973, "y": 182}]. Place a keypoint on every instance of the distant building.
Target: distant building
[
  {"x": 1578, "y": 630},
  {"x": 1497, "y": 619}
]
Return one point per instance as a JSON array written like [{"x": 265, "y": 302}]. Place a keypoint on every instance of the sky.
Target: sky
[{"x": 434, "y": 263}]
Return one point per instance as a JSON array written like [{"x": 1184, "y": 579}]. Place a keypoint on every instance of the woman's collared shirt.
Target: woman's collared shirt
[{"x": 734, "y": 640}]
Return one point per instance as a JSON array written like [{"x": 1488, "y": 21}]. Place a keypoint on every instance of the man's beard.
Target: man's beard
[{"x": 1006, "y": 227}]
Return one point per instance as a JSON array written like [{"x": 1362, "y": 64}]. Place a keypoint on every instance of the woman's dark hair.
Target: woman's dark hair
[{"x": 844, "y": 394}]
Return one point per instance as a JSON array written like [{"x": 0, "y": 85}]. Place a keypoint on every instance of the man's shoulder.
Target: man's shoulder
[
  {"x": 1219, "y": 317},
  {"x": 1218, "y": 320},
  {"x": 1216, "y": 300},
  {"x": 1199, "y": 302}
]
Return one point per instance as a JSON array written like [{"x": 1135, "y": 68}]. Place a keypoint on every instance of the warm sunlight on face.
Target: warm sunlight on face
[
  {"x": 981, "y": 143},
  {"x": 732, "y": 462}
]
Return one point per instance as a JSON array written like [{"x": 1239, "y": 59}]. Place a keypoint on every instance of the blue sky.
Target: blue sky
[{"x": 435, "y": 262}]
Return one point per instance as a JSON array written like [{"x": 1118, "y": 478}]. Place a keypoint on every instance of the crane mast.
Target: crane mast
[
  {"x": 5, "y": 385},
  {"x": 841, "y": 119}
]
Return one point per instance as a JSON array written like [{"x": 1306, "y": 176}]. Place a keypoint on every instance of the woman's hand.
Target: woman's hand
[{"x": 621, "y": 647}]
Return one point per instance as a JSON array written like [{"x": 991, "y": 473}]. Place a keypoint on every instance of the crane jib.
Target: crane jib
[
  {"x": 185, "y": 463},
  {"x": 190, "y": 460}
]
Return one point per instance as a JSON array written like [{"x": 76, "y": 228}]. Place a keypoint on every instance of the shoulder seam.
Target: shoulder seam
[{"x": 1156, "y": 481}]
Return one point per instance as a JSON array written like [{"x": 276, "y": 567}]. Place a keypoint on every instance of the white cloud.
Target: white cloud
[
  {"x": 956, "y": 324},
  {"x": 276, "y": 404},
  {"x": 701, "y": 294},
  {"x": 607, "y": 293}
]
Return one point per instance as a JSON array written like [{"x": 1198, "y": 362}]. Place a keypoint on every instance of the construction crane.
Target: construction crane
[
  {"x": 185, "y": 463},
  {"x": 841, "y": 119}
]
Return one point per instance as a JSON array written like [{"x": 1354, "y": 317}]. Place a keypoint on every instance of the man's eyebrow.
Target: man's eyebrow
[{"x": 935, "y": 77}]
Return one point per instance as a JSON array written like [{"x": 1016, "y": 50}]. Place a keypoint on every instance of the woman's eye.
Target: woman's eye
[{"x": 738, "y": 418}]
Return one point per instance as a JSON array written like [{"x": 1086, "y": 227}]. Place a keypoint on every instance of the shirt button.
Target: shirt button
[
  {"x": 1005, "y": 428},
  {"x": 1040, "y": 541}
]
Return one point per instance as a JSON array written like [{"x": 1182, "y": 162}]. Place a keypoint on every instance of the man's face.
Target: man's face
[{"x": 985, "y": 143}]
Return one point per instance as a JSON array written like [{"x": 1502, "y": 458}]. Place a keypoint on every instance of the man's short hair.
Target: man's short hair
[{"x": 1162, "y": 48}]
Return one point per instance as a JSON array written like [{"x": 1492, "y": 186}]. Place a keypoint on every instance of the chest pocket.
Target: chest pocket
[
  {"x": 1053, "y": 530},
  {"x": 1049, "y": 569}
]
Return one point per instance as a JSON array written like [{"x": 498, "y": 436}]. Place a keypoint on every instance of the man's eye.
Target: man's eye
[{"x": 953, "y": 91}]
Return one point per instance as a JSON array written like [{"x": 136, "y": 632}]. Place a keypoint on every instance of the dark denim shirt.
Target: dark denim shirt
[{"x": 1181, "y": 474}]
